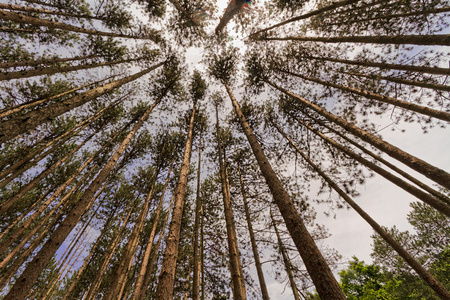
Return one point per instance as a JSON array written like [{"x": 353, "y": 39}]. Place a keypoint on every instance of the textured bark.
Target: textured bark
[
  {"x": 167, "y": 275},
  {"x": 387, "y": 66},
  {"x": 118, "y": 283},
  {"x": 321, "y": 275},
  {"x": 433, "y": 86},
  {"x": 307, "y": 15},
  {"x": 24, "y": 19},
  {"x": 233, "y": 8},
  {"x": 198, "y": 207},
  {"x": 24, "y": 284},
  {"x": 158, "y": 243},
  {"x": 31, "y": 120},
  {"x": 432, "y": 172},
  {"x": 52, "y": 70},
  {"x": 139, "y": 286},
  {"x": 201, "y": 250},
  {"x": 388, "y": 164},
  {"x": 429, "y": 279},
  {"x": 259, "y": 270},
  {"x": 432, "y": 40},
  {"x": 108, "y": 255},
  {"x": 442, "y": 115},
  {"x": 425, "y": 197},
  {"x": 237, "y": 275},
  {"x": 17, "y": 108},
  {"x": 286, "y": 261}
]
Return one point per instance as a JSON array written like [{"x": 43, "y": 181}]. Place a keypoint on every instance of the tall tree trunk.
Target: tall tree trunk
[
  {"x": 259, "y": 270},
  {"x": 118, "y": 283},
  {"x": 386, "y": 163},
  {"x": 286, "y": 261},
  {"x": 195, "y": 253},
  {"x": 158, "y": 243},
  {"x": 318, "y": 269},
  {"x": 167, "y": 275},
  {"x": 432, "y": 40},
  {"x": 237, "y": 275},
  {"x": 24, "y": 284},
  {"x": 307, "y": 15},
  {"x": 385, "y": 66},
  {"x": 428, "y": 85},
  {"x": 432, "y": 172},
  {"x": 31, "y": 120},
  {"x": 4, "y": 75},
  {"x": 139, "y": 286},
  {"x": 20, "y": 107},
  {"x": 48, "y": 12},
  {"x": 429, "y": 279},
  {"x": 442, "y": 115},
  {"x": 425, "y": 197},
  {"x": 202, "y": 257},
  {"x": 24, "y": 19}
]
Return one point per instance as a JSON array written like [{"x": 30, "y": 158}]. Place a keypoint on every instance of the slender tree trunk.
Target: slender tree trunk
[
  {"x": 318, "y": 269},
  {"x": 201, "y": 250},
  {"x": 429, "y": 279},
  {"x": 307, "y": 15},
  {"x": 117, "y": 285},
  {"x": 158, "y": 243},
  {"x": 432, "y": 40},
  {"x": 425, "y": 197},
  {"x": 23, "y": 165},
  {"x": 108, "y": 255},
  {"x": 386, "y": 163},
  {"x": 24, "y": 19},
  {"x": 20, "y": 107},
  {"x": 195, "y": 254},
  {"x": 433, "y": 86},
  {"x": 167, "y": 275},
  {"x": 287, "y": 263},
  {"x": 11, "y": 201},
  {"x": 442, "y": 115},
  {"x": 24, "y": 284},
  {"x": 385, "y": 66},
  {"x": 237, "y": 276},
  {"x": 259, "y": 270},
  {"x": 31, "y": 120},
  {"x": 432, "y": 172},
  {"x": 139, "y": 287},
  {"x": 48, "y": 12}
]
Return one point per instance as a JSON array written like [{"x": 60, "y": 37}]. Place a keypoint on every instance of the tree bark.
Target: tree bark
[
  {"x": 24, "y": 284},
  {"x": 47, "y": 61},
  {"x": 233, "y": 8},
  {"x": 24, "y": 19},
  {"x": 442, "y": 115},
  {"x": 432, "y": 172},
  {"x": 31, "y": 120},
  {"x": 286, "y": 261},
  {"x": 237, "y": 275},
  {"x": 195, "y": 254},
  {"x": 432, "y": 40},
  {"x": 326, "y": 284},
  {"x": 429, "y": 279},
  {"x": 259, "y": 270},
  {"x": 139, "y": 286},
  {"x": 167, "y": 275},
  {"x": 425, "y": 197}
]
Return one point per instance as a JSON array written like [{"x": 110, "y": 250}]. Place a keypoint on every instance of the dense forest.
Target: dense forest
[{"x": 132, "y": 169}]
